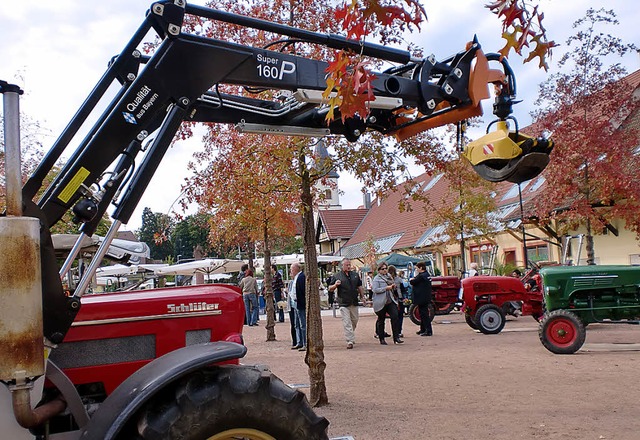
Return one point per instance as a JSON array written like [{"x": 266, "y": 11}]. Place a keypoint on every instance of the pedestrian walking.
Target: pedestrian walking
[{"x": 348, "y": 285}]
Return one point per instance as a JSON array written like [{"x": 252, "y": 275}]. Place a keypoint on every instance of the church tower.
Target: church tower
[{"x": 331, "y": 198}]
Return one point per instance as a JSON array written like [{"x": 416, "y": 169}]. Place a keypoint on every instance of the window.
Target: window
[
  {"x": 482, "y": 255},
  {"x": 538, "y": 253},
  {"x": 413, "y": 190},
  {"x": 513, "y": 192},
  {"x": 452, "y": 265},
  {"x": 537, "y": 184},
  {"x": 510, "y": 257},
  {"x": 327, "y": 194},
  {"x": 432, "y": 182},
  {"x": 506, "y": 210}
]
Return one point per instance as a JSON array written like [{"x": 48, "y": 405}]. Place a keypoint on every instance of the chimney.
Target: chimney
[{"x": 366, "y": 200}]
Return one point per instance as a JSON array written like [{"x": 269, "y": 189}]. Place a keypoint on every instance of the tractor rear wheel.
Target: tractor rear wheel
[
  {"x": 490, "y": 319},
  {"x": 562, "y": 332},
  {"x": 445, "y": 309},
  {"x": 230, "y": 402},
  {"x": 414, "y": 313}
]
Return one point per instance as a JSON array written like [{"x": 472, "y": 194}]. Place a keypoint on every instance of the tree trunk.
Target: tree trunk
[
  {"x": 268, "y": 289},
  {"x": 198, "y": 254},
  {"x": 591, "y": 253},
  {"x": 463, "y": 258},
  {"x": 314, "y": 357}
]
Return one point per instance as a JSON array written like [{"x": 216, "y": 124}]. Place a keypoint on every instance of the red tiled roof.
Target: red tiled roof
[
  {"x": 386, "y": 219},
  {"x": 341, "y": 223}
]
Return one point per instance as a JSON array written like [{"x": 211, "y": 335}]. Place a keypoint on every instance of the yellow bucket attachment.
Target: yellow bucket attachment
[
  {"x": 495, "y": 145},
  {"x": 504, "y": 155}
]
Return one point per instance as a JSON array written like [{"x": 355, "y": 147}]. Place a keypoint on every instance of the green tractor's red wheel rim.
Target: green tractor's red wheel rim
[{"x": 561, "y": 332}]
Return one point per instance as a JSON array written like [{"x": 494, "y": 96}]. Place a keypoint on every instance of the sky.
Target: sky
[{"x": 57, "y": 51}]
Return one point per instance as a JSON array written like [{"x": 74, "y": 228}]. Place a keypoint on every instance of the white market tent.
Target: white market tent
[
  {"x": 208, "y": 266},
  {"x": 123, "y": 269},
  {"x": 116, "y": 270},
  {"x": 299, "y": 258}
]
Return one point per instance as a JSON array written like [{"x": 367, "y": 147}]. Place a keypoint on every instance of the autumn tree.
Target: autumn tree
[
  {"x": 247, "y": 194},
  {"x": 465, "y": 210},
  {"x": 592, "y": 177}
]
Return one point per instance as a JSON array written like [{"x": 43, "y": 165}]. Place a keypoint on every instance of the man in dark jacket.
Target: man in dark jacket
[
  {"x": 277, "y": 285},
  {"x": 348, "y": 285},
  {"x": 298, "y": 289},
  {"x": 422, "y": 297}
]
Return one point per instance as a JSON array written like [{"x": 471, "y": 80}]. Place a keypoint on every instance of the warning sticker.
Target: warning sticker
[{"x": 71, "y": 188}]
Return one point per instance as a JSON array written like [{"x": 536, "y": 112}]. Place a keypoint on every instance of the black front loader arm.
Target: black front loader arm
[
  {"x": 180, "y": 82},
  {"x": 185, "y": 67}
]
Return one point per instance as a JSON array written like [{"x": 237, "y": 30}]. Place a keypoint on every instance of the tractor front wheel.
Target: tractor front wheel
[
  {"x": 470, "y": 322},
  {"x": 230, "y": 402},
  {"x": 414, "y": 313},
  {"x": 562, "y": 332},
  {"x": 490, "y": 319}
]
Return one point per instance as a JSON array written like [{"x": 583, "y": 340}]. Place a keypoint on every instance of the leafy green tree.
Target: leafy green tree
[
  {"x": 155, "y": 231},
  {"x": 192, "y": 231}
]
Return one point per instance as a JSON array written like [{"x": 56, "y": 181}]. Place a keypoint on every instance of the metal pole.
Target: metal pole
[
  {"x": 524, "y": 233},
  {"x": 97, "y": 259},
  {"x": 13, "y": 171}
]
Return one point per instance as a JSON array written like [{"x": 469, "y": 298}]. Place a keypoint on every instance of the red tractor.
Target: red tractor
[
  {"x": 165, "y": 364},
  {"x": 144, "y": 349},
  {"x": 487, "y": 300}
]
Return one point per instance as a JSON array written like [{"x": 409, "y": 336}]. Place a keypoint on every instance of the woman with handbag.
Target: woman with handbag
[
  {"x": 385, "y": 302},
  {"x": 400, "y": 293}
]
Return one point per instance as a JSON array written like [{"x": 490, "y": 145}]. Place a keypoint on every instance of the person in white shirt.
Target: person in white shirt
[{"x": 473, "y": 270}]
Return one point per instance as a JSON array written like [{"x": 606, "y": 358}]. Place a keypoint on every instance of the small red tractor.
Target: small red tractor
[
  {"x": 445, "y": 292},
  {"x": 487, "y": 300}
]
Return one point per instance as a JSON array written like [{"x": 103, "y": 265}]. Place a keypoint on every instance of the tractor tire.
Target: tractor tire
[
  {"x": 446, "y": 309},
  {"x": 414, "y": 313},
  {"x": 470, "y": 322},
  {"x": 562, "y": 332},
  {"x": 490, "y": 319},
  {"x": 538, "y": 316},
  {"x": 230, "y": 402}
]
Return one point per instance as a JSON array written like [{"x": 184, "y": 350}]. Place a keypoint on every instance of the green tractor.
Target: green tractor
[{"x": 576, "y": 296}]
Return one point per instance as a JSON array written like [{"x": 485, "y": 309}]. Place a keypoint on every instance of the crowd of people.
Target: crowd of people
[{"x": 388, "y": 291}]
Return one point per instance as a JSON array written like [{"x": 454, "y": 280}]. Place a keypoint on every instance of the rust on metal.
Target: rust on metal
[
  {"x": 21, "y": 332},
  {"x": 18, "y": 252}
]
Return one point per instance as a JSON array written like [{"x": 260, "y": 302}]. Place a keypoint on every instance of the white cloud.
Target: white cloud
[{"x": 56, "y": 51}]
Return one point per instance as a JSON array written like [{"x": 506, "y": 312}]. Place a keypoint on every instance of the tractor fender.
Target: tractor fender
[{"x": 152, "y": 378}]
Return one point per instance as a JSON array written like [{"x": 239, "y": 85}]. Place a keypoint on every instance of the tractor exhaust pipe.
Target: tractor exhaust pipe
[
  {"x": 21, "y": 333},
  {"x": 26, "y": 416}
]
